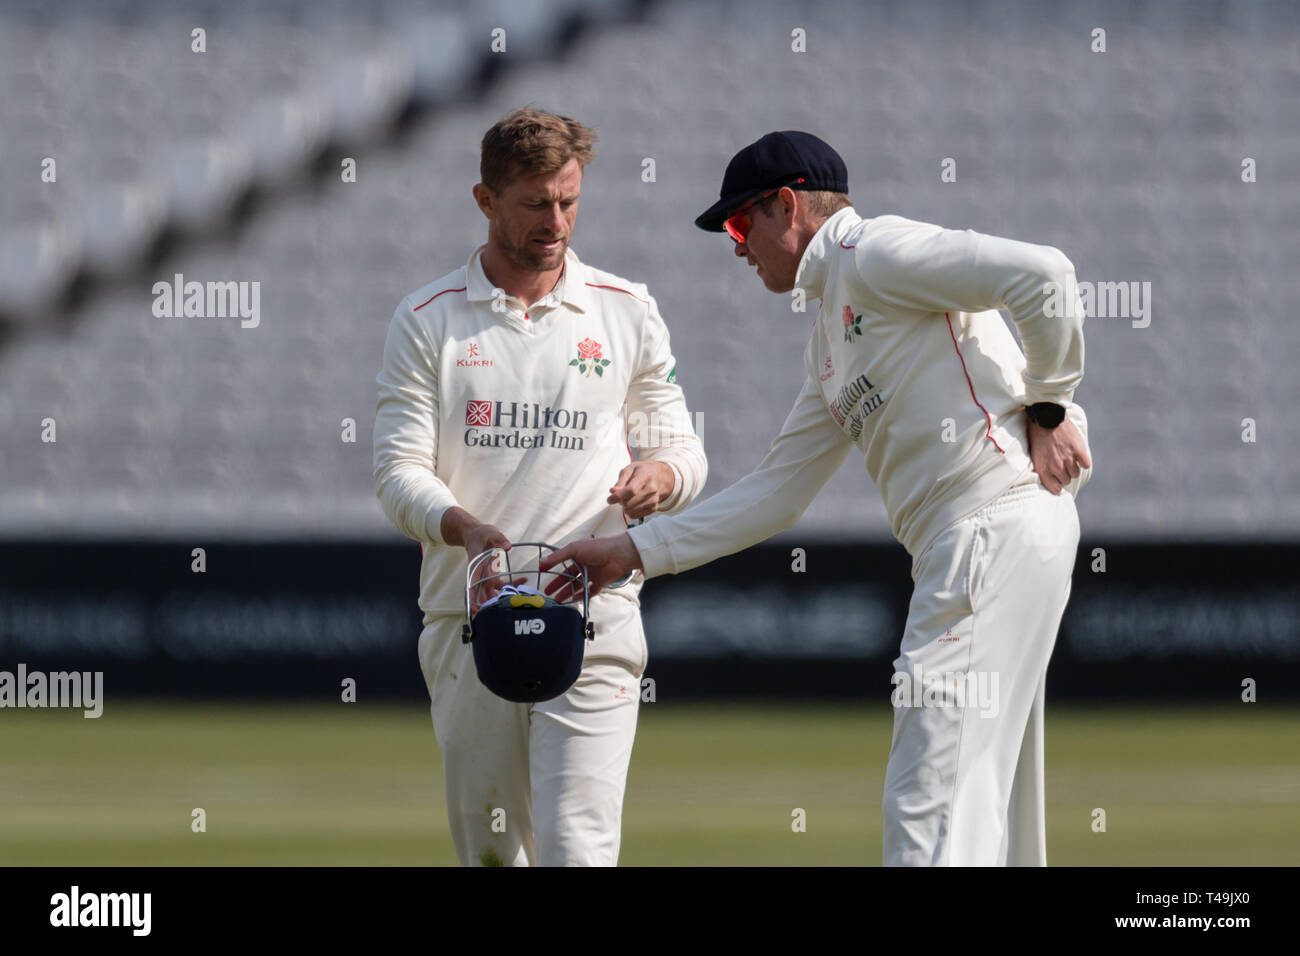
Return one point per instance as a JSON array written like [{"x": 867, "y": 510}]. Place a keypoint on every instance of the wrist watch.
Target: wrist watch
[{"x": 1046, "y": 414}]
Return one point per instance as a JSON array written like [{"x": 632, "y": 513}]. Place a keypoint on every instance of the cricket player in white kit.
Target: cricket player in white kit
[
  {"x": 977, "y": 448},
  {"x": 510, "y": 391}
]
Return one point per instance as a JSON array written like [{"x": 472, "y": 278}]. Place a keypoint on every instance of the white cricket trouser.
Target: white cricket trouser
[
  {"x": 964, "y": 784},
  {"x": 537, "y": 784}
]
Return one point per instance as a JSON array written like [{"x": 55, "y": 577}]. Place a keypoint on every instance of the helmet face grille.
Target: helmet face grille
[{"x": 505, "y": 569}]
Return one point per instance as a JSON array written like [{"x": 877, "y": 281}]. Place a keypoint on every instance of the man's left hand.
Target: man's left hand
[
  {"x": 1059, "y": 454},
  {"x": 640, "y": 488}
]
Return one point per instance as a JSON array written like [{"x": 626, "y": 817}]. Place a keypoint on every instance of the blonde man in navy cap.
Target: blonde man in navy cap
[{"x": 978, "y": 451}]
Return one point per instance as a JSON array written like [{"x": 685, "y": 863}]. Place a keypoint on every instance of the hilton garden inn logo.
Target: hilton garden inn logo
[
  {"x": 208, "y": 300},
  {"x": 76, "y": 689},
  {"x": 76, "y": 908}
]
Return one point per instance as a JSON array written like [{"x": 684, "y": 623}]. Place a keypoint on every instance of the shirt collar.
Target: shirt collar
[
  {"x": 571, "y": 290},
  {"x": 811, "y": 275}
]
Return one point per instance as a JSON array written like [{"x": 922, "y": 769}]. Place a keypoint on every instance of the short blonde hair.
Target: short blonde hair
[
  {"x": 531, "y": 142},
  {"x": 822, "y": 203}
]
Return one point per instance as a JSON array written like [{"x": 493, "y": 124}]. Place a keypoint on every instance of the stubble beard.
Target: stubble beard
[{"x": 530, "y": 260}]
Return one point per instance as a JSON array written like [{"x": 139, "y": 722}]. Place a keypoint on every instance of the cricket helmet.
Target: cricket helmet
[{"x": 527, "y": 647}]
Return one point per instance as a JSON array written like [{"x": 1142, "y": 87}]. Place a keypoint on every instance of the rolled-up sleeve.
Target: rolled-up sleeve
[
  {"x": 658, "y": 421},
  {"x": 406, "y": 432}
]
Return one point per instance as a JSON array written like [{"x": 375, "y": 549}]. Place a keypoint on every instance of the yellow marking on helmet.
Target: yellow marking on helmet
[{"x": 527, "y": 600}]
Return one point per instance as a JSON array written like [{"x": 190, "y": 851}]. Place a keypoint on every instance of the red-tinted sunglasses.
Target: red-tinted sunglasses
[{"x": 740, "y": 221}]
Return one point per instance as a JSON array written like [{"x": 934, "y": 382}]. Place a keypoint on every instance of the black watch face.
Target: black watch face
[{"x": 1049, "y": 415}]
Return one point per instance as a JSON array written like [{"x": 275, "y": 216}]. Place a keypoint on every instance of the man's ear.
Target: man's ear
[
  {"x": 485, "y": 199},
  {"x": 789, "y": 205}
]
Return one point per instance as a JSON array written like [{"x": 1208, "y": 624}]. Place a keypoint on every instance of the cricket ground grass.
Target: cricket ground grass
[{"x": 715, "y": 784}]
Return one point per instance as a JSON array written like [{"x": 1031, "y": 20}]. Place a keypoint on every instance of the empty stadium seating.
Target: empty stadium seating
[{"x": 202, "y": 164}]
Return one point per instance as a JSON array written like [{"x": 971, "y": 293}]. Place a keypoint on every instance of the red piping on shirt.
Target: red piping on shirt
[
  {"x": 615, "y": 288},
  {"x": 843, "y": 246},
  {"x": 988, "y": 430},
  {"x": 434, "y": 296}
]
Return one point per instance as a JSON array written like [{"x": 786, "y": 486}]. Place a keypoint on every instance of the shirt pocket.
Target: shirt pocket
[{"x": 977, "y": 563}]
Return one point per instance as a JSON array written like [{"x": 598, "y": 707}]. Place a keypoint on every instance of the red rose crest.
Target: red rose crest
[
  {"x": 851, "y": 324},
  {"x": 589, "y": 358}
]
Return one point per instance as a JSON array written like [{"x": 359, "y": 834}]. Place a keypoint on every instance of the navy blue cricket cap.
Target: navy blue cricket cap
[{"x": 778, "y": 159}]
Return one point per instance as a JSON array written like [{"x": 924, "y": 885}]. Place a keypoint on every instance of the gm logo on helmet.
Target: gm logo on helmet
[{"x": 533, "y": 625}]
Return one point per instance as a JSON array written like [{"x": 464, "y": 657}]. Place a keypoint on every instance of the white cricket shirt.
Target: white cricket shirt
[
  {"x": 910, "y": 363},
  {"x": 523, "y": 415}
]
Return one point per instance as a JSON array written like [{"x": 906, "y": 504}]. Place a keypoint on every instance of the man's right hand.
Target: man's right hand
[
  {"x": 606, "y": 560},
  {"x": 459, "y": 527}
]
